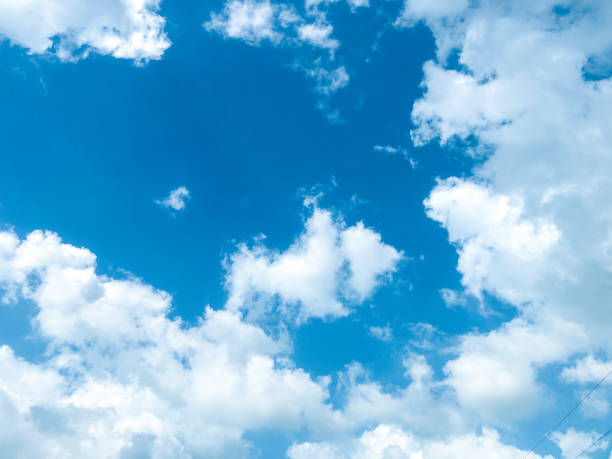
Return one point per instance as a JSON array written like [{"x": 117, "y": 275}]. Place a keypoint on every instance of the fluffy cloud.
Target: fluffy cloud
[
  {"x": 512, "y": 85},
  {"x": 121, "y": 378},
  {"x": 495, "y": 374},
  {"x": 252, "y": 21},
  {"x": 390, "y": 442},
  {"x": 572, "y": 443},
  {"x": 261, "y": 21},
  {"x": 121, "y": 375},
  {"x": 587, "y": 370},
  {"x": 497, "y": 245},
  {"x": 130, "y": 29},
  {"x": 176, "y": 199},
  {"x": 256, "y": 21},
  {"x": 329, "y": 267}
]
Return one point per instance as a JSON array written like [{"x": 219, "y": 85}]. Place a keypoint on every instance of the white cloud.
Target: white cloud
[
  {"x": 494, "y": 374},
  {"x": 497, "y": 246},
  {"x": 390, "y": 442},
  {"x": 176, "y": 199},
  {"x": 327, "y": 81},
  {"x": 389, "y": 149},
  {"x": 359, "y": 4},
  {"x": 318, "y": 35},
  {"x": 587, "y": 370},
  {"x": 572, "y": 443},
  {"x": 329, "y": 267},
  {"x": 120, "y": 374},
  {"x": 382, "y": 333},
  {"x": 532, "y": 225},
  {"x": 131, "y": 29},
  {"x": 248, "y": 20}
]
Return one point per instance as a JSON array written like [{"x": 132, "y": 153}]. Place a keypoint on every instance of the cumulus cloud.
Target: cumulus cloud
[
  {"x": 70, "y": 29},
  {"x": 121, "y": 377},
  {"x": 318, "y": 35},
  {"x": 532, "y": 224},
  {"x": 572, "y": 442},
  {"x": 390, "y": 442},
  {"x": 496, "y": 243},
  {"x": 120, "y": 374},
  {"x": 252, "y": 21},
  {"x": 327, "y": 269},
  {"x": 256, "y": 21},
  {"x": 176, "y": 200},
  {"x": 588, "y": 370}
]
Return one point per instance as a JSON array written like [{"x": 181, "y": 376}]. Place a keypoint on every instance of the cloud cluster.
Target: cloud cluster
[
  {"x": 70, "y": 29},
  {"x": 390, "y": 442},
  {"x": 120, "y": 378},
  {"x": 176, "y": 199},
  {"x": 120, "y": 374},
  {"x": 533, "y": 225},
  {"x": 329, "y": 267},
  {"x": 280, "y": 24}
]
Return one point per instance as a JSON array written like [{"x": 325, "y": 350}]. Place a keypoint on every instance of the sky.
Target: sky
[{"x": 331, "y": 229}]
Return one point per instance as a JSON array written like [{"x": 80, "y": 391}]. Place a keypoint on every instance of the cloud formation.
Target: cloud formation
[
  {"x": 327, "y": 269},
  {"x": 532, "y": 225},
  {"x": 256, "y": 22},
  {"x": 176, "y": 200},
  {"x": 71, "y": 29}
]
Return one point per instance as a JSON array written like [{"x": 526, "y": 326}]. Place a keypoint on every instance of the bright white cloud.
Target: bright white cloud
[
  {"x": 120, "y": 377},
  {"x": 390, "y": 442},
  {"x": 176, "y": 200},
  {"x": 328, "y": 268},
  {"x": 327, "y": 81},
  {"x": 318, "y": 35},
  {"x": 255, "y": 21},
  {"x": 250, "y": 21},
  {"x": 494, "y": 374},
  {"x": 532, "y": 226},
  {"x": 587, "y": 370},
  {"x": 496, "y": 243},
  {"x": 120, "y": 374},
  {"x": 130, "y": 29},
  {"x": 572, "y": 443}
]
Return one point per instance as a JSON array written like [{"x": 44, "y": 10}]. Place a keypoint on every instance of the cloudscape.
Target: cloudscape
[{"x": 328, "y": 229}]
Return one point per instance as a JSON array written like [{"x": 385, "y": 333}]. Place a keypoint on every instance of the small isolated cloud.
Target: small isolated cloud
[
  {"x": 587, "y": 371},
  {"x": 176, "y": 199},
  {"x": 328, "y": 81},
  {"x": 382, "y": 333},
  {"x": 392, "y": 150},
  {"x": 318, "y": 35}
]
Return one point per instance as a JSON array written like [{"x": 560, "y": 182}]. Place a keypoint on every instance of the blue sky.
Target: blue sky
[{"x": 391, "y": 236}]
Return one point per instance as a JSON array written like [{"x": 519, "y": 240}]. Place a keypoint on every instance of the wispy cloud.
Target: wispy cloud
[{"x": 176, "y": 199}]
